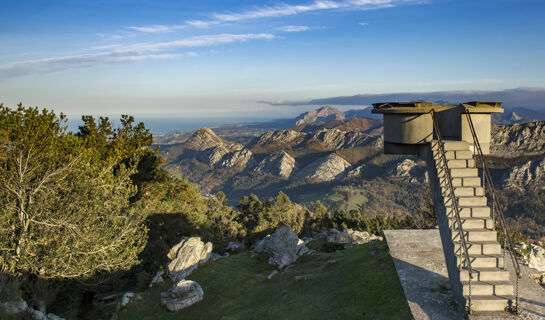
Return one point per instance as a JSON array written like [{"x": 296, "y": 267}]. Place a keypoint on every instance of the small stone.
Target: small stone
[
  {"x": 299, "y": 278},
  {"x": 182, "y": 295},
  {"x": 331, "y": 261},
  {"x": 126, "y": 298},
  {"x": 272, "y": 274},
  {"x": 157, "y": 279},
  {"x": 234, "y": 246}
]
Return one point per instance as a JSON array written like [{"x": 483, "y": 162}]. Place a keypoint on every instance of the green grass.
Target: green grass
[{"x": 361, "y": 284}]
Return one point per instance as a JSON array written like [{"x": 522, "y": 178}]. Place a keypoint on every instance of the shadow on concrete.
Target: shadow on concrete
[{"x": 428, "y": 293}]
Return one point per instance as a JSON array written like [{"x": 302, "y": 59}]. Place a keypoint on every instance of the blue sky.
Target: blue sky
[{"x": 221, "y": 57}]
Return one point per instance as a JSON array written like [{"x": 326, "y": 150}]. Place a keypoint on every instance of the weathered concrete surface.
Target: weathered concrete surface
[{"x": 420, "y": 265}]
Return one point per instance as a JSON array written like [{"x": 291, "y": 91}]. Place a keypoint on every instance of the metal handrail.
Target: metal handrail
[
  {"x": 499, "y": 210},
  {"x": 454, "y": 203}
]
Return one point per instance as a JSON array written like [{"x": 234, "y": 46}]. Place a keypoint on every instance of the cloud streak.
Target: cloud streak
[
  {"x": 527, "y": 97},
  {"x": 156, "y": 28},
  {"x": 280, "y": 10},
  {"x": 293, "y": 28},
  {"x": 118, "y": 54}
]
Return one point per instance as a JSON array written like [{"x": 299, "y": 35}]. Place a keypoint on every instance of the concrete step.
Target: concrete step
[
  {"x": 476, "y": 235},
  {"x": 464, "y": 202},
  {"x": 458, "y": 172},
  {"x": 464, "y": 191},
  {"x": 459, "y": 155},
  {"x": 474, "y": 212},
  {"x": 480, "y": 248},
  {"x": 482, "y": 261},
  {"x": 471, "y": 201},
  {"x": 480, "y": 288},
  {"x": 472, "y": 223},
  {"x": 485, "y": 274},
  {"x": 451, "y": 145},
  {"x": 464, "y": 172},
  {"x": 489, "y": 303},
  {"x": 461, "y": 163},
  {"x": 461, "y": 182}
]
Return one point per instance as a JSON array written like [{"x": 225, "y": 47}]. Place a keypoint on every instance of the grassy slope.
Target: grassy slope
[{"x": 361, "y": 284}]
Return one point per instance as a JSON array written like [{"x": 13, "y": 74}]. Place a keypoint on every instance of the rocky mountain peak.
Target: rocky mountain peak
[
  {"x": 280, "y": 138},
  {"x": 323, "y": 114},
  {"x": 206, "y": 138}
]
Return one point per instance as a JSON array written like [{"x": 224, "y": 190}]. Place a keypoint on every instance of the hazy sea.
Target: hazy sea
[{"x": 162, "y": 125}]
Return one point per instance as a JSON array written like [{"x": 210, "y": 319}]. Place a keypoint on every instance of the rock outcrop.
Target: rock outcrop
[
  {"x": 184, "y": 294},
  {"x": 516, "y": 139},
  {"x": 278, "y": 163},
  {"x": 334, "y": 139},
  {"x": 326, "y": 139},
  {"x": 323, "y": 114},
  {"x": 19, "y": 309},
  {"x": 356, "y": 172},
  {"x": 536, "y": 258},
  {"x": 410, "y": 170},
  {"x": 328, "y": 168},
  {"x": 243, "y": 158},
  {"x": 350, "y": 237},
  {"x": 213, "y": 155},
  {"x": 283, "y": 246},
  {"x": 186, "y": 256},
  {"x": 279, "y": 139},
  {"x": 529, "y": 175}
]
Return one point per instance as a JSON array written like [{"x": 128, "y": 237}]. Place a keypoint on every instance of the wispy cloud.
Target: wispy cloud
[
  {"x": 293, "y": 28},
  {"x": 156, "y": 28},
  {"x": 117, "y": 54},
  {"x": 363, "y": 23},
  {"x": 280, "y": 10}
]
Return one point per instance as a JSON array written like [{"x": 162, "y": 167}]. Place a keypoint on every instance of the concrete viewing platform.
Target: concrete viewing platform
[{"x": 420, "y": 263}]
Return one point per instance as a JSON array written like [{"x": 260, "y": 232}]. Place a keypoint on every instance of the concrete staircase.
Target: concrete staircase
[{"x": 491, "y": 288}]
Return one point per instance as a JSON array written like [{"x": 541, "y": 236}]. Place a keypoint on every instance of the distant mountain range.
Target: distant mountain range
[
  {"x": 533, "y": 98},
  {"x": 336, "y": 157},
  {"x": 244, "y": 132},
  {"x": 518, "y": 115}
]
